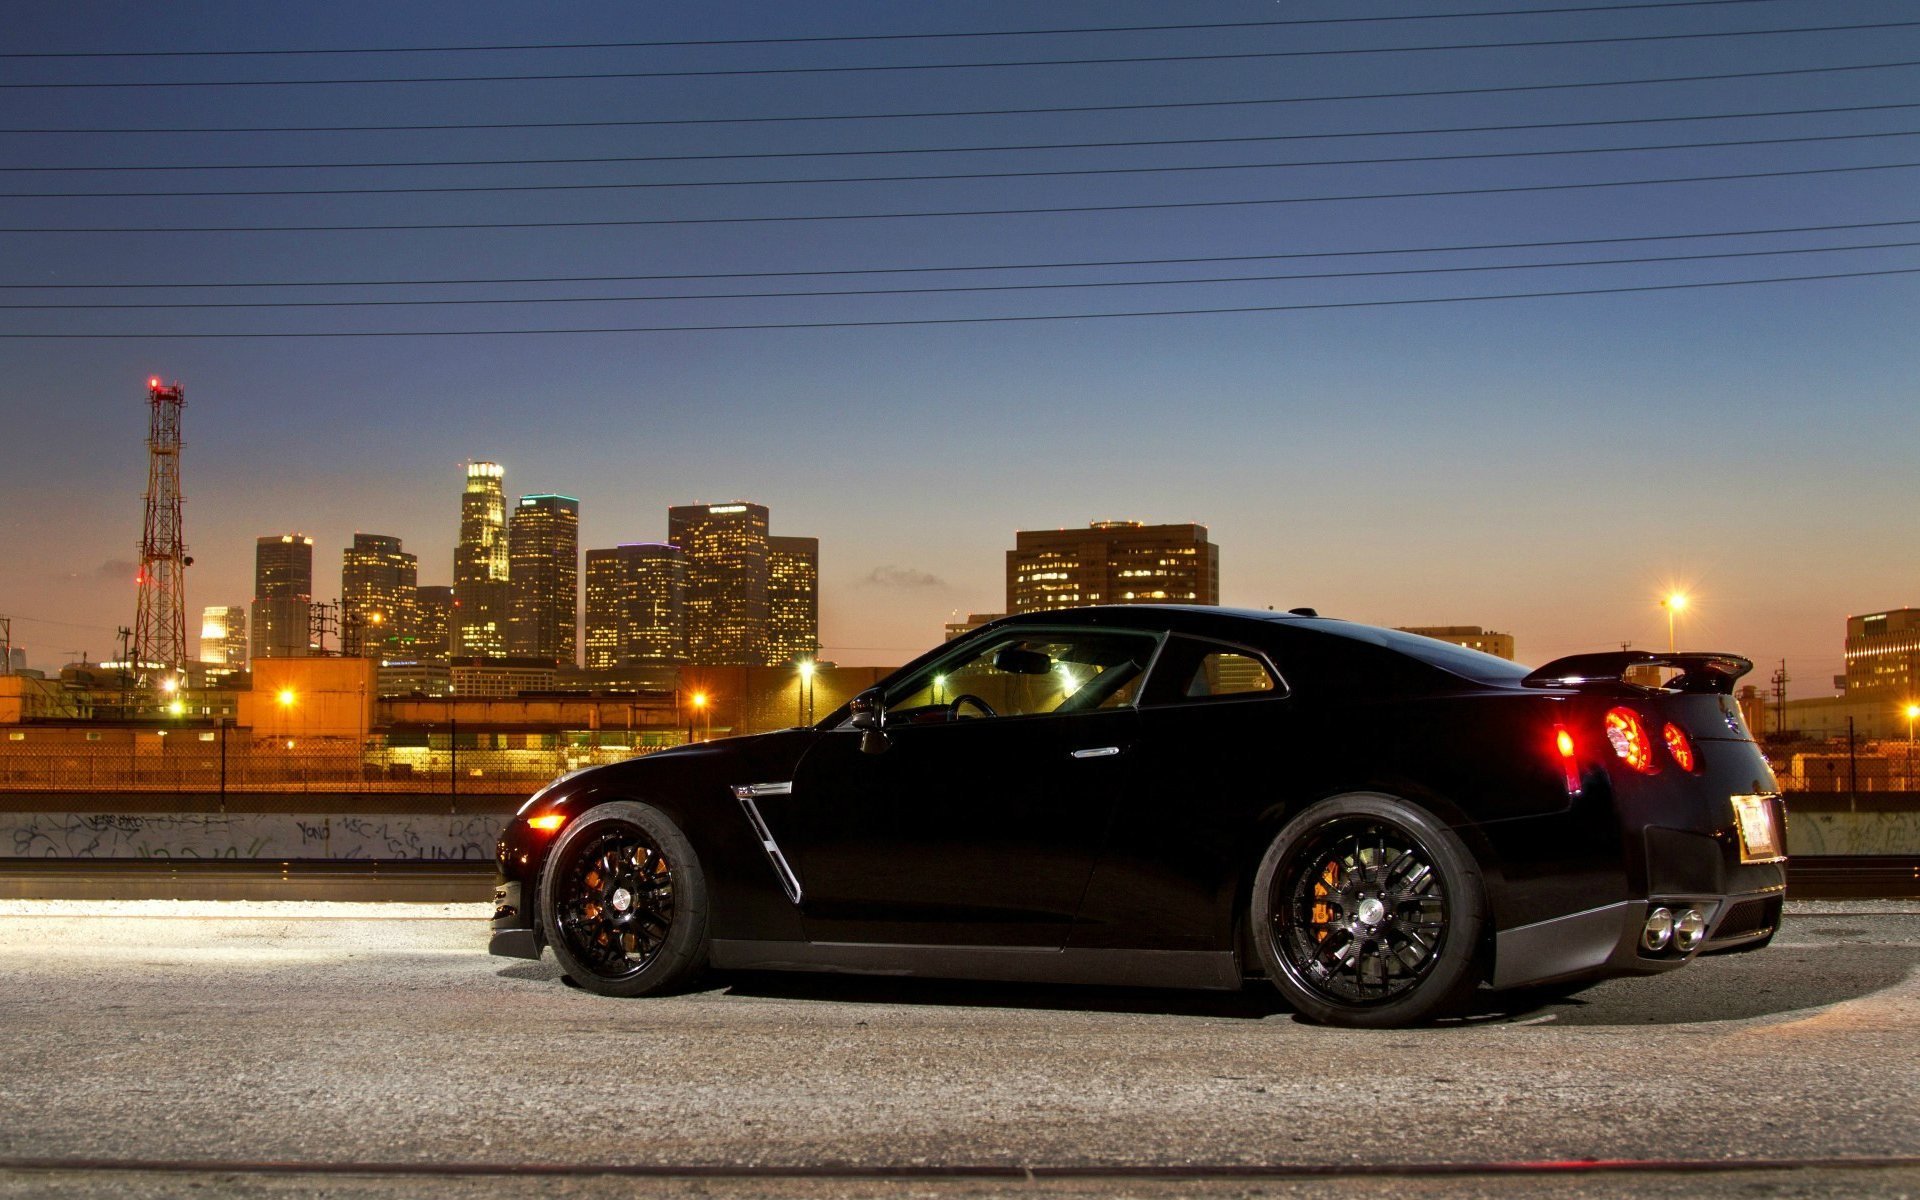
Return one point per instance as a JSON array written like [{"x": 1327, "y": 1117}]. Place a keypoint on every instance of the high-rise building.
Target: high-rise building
[
  {"x": 793, "y": 599},
  {"x": 636, "y": 605},
  {"x": 377, "y": 606},
  {"x": 544, "y": 552},
  {"x": 1883, "y": 654},
  {"x": 481, "y": 600},
  {"x": 223, "y": 637},
  {"x": 433, "y": 623},
  {"x": 281, "y": 615},
  {"x": 726, "y": 599},
  {"x": 1473, "y": 637},
  {"x": 1112, "y": 562}
]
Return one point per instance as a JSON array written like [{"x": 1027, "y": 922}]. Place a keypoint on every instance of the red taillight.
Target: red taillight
[
  {"x": 1629, "y": 739},
  {"x": 1679, "y": 746},
  {"x": 1563, "y": 743}
]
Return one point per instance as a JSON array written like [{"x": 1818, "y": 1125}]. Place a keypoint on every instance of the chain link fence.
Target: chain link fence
[{"x": 187, "y": 763}]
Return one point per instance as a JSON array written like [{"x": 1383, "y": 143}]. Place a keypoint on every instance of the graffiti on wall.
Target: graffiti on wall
[{"x": 248, "y": 836}]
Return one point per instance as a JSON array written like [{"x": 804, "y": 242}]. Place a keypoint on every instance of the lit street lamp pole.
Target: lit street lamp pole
[
  {"x": 1673, "y": 604},
  {"x": 1913, "y": 711},
  {"x": 803, "y": 694}
]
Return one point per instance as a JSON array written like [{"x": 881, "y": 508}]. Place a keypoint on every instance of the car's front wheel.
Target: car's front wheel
[
  {"x": 1367, "y": 912},
  {"x": 623, "y": 901}
]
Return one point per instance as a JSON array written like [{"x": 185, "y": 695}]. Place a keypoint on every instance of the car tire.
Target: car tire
[
  {"x": 623, "y": 901},
  {"x": 1368, "y": 912}
]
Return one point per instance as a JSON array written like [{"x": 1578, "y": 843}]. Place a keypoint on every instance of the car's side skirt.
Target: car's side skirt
[{"x": 1214, "y": 970}]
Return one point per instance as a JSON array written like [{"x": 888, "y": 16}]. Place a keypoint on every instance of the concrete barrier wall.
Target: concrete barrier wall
[
  {"x": 470, "y": 836},
  {"x": 83, "y": 835},
  {"x": 1814, "y": 833}
]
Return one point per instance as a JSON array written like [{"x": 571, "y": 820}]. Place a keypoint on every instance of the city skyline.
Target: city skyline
[{"x": 1337, "y": 390}]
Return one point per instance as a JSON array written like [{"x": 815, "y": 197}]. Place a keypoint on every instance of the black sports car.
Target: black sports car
[{"x": 1180, "y": 796}]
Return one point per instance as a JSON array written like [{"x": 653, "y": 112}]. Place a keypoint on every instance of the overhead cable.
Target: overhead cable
[
  {"x": 996, "y": 320},
  {"x": 870, "y": 37},
  {"x": 1049, "y": 210},
  {"x": 1423, "y": 94},
  {"x": 1071, "y": 264},
  {"x": 959, "y": 289},
  {"x": 852, "y": 69},
  {"x": 1008, "y": 148},
  {"x": 1050, "y": 173}
]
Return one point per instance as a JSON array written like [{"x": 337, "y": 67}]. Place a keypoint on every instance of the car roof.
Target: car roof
[{"x": 1209, "y": 620}]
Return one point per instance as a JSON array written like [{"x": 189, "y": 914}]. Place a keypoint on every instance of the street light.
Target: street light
[
  {"x": 1673, "y": 603},
  {"x": 803, "y": 694},
  {"x": 699, "y": 705},
  {"x": 1912, "y": 710},
  {"x": 285, "y": 697}
]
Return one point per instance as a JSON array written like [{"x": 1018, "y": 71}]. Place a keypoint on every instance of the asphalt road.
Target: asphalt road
[{"x": 270, "y": 1049}]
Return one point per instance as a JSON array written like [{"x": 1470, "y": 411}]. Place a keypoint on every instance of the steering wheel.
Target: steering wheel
[{"x": 953, "y": 707}]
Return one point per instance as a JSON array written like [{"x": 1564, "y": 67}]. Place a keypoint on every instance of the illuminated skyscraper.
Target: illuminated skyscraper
[
  {"x": 377, "y": 608},
  {"x": 1112, "y": 562},
  {"x": 433, "y": 623},
  {"x": 726, "y": 599},
  {"x": 280, "y": 617},
  {"x": 1883, "y": 654},
  {"x": 481, "y": 602},
  {"x": 544, "y": 550},
  {"x": 793, "y": 599},
  {"x": 636, "y": 597},
  {"x": 223, "y": 636}
]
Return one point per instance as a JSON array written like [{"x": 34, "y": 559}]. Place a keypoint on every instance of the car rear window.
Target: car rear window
[{"x": 1471, "y": 664}]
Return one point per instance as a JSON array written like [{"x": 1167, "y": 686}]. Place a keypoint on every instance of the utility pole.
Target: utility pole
[
  {"x": 6, "y": 645},
  {"x": 126, "y": 669},
  {"x": 322, "y": 619},
  {"x": 1780, "y": 678}
]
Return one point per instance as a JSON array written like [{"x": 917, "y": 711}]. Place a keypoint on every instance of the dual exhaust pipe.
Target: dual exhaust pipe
[{"x": 1683, "y": 931}]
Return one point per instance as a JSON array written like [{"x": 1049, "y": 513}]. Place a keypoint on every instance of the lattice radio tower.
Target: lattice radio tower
[{"x": 160, "y": 628}]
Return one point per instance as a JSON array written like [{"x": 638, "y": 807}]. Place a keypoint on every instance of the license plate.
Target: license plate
[{"x": 1759, "y": 829}]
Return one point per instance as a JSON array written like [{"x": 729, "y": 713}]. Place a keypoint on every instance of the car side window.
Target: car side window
[
  {"x": 1195, "y": 671},
  {"x": 1026, "y": 674},
  {"x": 1229, "y": 673}
]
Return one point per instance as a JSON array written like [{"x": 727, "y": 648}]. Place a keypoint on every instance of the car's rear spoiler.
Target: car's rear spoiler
[{"x": 1699, "y": 672}]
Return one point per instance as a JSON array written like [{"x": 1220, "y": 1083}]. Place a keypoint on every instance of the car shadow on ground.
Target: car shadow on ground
[{"x": 1766, "y": 983}]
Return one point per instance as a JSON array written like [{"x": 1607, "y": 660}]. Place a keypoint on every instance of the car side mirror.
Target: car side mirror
[{"x": 869, "y": 715}]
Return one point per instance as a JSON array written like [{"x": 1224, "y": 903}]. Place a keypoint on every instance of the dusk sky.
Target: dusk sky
[{"x": 1545, "y": 465}]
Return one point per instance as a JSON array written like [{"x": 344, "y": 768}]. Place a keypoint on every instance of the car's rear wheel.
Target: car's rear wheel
[
  {"x": 623, "y": 901},
  {"x": 1368, "y": 912}
]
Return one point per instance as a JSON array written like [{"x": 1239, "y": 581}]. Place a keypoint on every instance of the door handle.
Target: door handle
[{"x": 1097, "y": 752}]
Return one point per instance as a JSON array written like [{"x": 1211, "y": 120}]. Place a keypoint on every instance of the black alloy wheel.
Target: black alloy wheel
[
  {"x": 1367, "y": 912},
  {"x": 623, "y": 901}
]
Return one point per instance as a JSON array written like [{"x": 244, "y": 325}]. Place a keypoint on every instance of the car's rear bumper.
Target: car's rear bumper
[
  {"x": 1605, "y": 941},
  {"x": 513, "y": 933}
]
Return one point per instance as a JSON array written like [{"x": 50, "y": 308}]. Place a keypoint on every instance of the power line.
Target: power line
[
  {"x": 178, "y": 285},
  {"x": 964, "y": 288},
  {"x": 870, "y": 37},
  {"x": 987, "y": 112},
  {"x": 1127, "y": 60},
  {"x": 964, "y": 212},
  {"x": 1048, "y": 173},
  {"x": 999, "y": 320},
  {"x": 1012, "y": 147}
]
